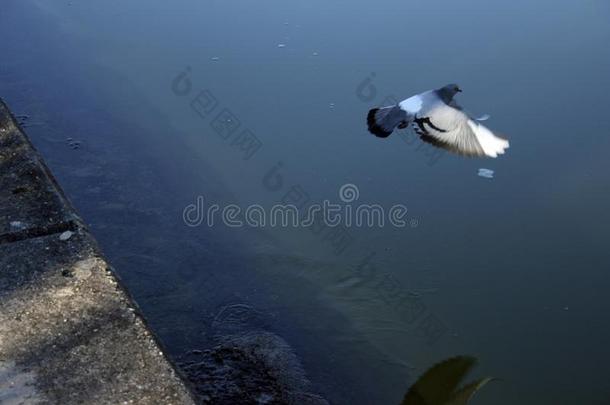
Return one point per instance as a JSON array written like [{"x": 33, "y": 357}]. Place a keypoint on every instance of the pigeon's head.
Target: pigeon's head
[{"x": 449, "y": 91}]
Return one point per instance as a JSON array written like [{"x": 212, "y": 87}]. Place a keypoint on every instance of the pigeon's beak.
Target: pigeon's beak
[{"x": 459, "y": 90}]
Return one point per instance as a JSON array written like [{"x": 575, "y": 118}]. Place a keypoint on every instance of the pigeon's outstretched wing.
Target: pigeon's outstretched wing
[{"x": 448, "y": 127}]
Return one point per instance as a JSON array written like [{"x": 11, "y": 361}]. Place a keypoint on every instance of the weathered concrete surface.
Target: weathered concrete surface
[
  {"x": 31, "y": 201},
  {"x": 68, "y": 332}
]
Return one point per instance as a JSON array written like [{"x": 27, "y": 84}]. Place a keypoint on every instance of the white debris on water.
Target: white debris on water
[
  {"x": 66, "y": 235},
  {"x": 17, "y": 226},
  {"x": 332, "y": 105},
  {"x": 281, "y": 45},
  {"x": 315, "y": 54},
  {"x": 487, "y": 173},
  {"x": 215, "y": 58}
]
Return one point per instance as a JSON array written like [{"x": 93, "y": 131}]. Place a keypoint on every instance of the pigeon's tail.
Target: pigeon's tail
[{"x": 382, "y": 121}]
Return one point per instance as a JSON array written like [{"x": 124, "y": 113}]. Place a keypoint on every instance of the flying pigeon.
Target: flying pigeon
[{"x": 438, "y": 119}]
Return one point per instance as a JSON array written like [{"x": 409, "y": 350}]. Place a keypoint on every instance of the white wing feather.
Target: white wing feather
[{"x": 461, "y": 133}]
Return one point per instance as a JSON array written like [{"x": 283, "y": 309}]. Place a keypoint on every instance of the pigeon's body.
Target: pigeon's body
[{"x": 438, "y": 120}]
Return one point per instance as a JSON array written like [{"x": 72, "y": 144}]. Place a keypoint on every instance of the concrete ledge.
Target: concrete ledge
[{"x": 69, "y": 333}]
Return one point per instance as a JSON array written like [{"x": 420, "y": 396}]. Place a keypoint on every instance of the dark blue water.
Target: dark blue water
[{"x": 512, "y": 269}]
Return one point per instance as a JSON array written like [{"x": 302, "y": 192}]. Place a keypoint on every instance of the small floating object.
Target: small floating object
[
  {"x": 483, "y": 117},
  {"x": 332, "y": 105},
  {"x": 66, "y": 235},
  {"x": 315, "y": 54},
  {"x": 487, "y": 173},
  {"x": 215, "y": 58},
  {"x": 17, "y": 226},
  {"x": 281, "y": 45}
]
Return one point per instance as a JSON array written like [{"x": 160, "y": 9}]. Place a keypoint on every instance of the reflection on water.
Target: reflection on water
[{"x": 488, "y": 267}]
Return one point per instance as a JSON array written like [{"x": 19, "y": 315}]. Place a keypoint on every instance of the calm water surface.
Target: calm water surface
[{"x": 512, "y": 270}]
